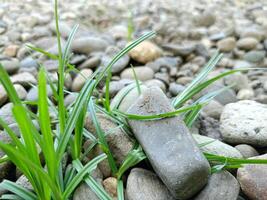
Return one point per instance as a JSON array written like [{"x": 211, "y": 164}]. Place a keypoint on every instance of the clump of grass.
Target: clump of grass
[{"x": 48, "y": 178}]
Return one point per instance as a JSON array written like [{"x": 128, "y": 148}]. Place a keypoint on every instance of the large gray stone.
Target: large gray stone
[
  {"x": 143, "y": 184},
  {"x": 221, "y": 186},
  {"x": 84, "y": 192},
  {"x": 169, "y": 146}
]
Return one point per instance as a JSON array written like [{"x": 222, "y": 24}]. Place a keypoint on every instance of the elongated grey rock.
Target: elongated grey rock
[{"x": 169, "y": 146}]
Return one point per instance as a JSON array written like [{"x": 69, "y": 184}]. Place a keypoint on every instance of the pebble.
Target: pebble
[
  {"x": 248, "y": 43},
  {"x": 11, "y": 50},
  {"x": 3, "y": 95},
  {"x": 207, "y": 18},
  {"x": 110, "y": 185},
  {"x": 246, "y": 150},
  {"x": 29, "y": 62},
  {"x": 180, "y": 50},
  {"x": 25, "y": 79},
  {"x": 176, "y": 89},
  {"x": 142, "y": 73},
  {"x": 109, "y": 55},
  {"x": 254, "y": 56},
  {"x": 213, "y": 109},
  {"x": 11, "y": 65},
  {"x": 22, "y": 93},
  {"x": 227, "y": 44},
  {"x": 6, "y": 113},
  {"x": 216, "y": 147},
  {"x": 92, "y": 62},
  {"x": 245, "y": 94},
  {"x": 145, "y": 52},
  {"x": 221, "y": 186},
  {"x": 33, "y": 93},
  {"x": 24, "y": 182},
  {"x": 84, "y": 192},
  {"x": 143, "y": 184},
  {"x": 169, "y": 146},
  {"x": 87, "y": 45},
  {"x": 243, "y": 122},
  {"x": 252, "y": 180},
  {"x": 156, "y": 82},
  {"x": 80, "y": 79}
]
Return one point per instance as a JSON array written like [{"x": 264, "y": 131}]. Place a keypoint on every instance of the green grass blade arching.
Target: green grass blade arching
[
  {"x": 80, "y": 175},
  {"x": 45, "y": 126},
  {"x": 102, "y": 138},
  {"x": 18, "y": 190},
  {"x": 120, "y": 190},
  {"x": 98, "y": 189},
  {"x": 181, "y": 98}
]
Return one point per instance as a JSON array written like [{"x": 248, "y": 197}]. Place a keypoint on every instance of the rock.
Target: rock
[
  {"x": 245, "y": 94},
  {"x": 5, "y": 138},
  {"x": 6, "y": 113},
  {"x": 221, "y": 186},
  {"x": 209, "y": 126},
  {"x": 238, "y": 81},
  {"x": 248, "y": 43},
  {"x": 29, "y": 62},
  {"x": 33, "y": 93},
  {"x": 51, "y": 65},
  {"x": 207, "y": 18},
  {"x": 119, "y": 32},
  {"x": 128, "y": 100},
  {"x": 119, "y": 142},
  {"x": 142, "y": 73},
  {"x": 247, "y": 151},
  {"x": 84, "y": 192},
  {"x": 244, "y": 122},
  {"x": 87, "y": 45},
  {"x": 11, "y": 50},
  {"x": 217, "y": 147},
  {"x": 24, "y": 182},
  {"x": 169, "y": 146},
  {"x": 252, "y": 180},
  {"x": 242, "y": 64},
  {"x": 80, "y": 79},
  {"x": 22, "y": 93},
  {"x": 176, "y": 89},
  {"x": 114, "y": 87},
  {"x": 156, "y": 82},
  {"x": 92, "y": 62},
  {"x": 254, "y": 56},
  {"x": 3, "y": 95},
  {"x": 213, "y": 109},
  {"x": 25, "y": 79},
  {"x": 143, "y": 184},
  {"x": 227, "y": 44},
  {"x": 6, "y": 171},
  {"x": 179, "y": 50},
  {"x": 110, "y": 54},
  {"x": 110, "y": 185},
  {"x": 225, "y": 97},
  {"x": 64, "y": 29},
  {"x": 11, "y": 65},
  {"x": 145, "y": 52},
  {"x": 69, "y": 99}
]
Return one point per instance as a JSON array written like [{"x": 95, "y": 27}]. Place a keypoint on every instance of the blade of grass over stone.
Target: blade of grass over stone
[
  {"x": 181, "y": 98},
  {"x": 107, "y": 97},
  {"x": 90, "y": 166},
  {"x": 66, "y": 52},
  {"x": 157, "y": 116},
  {"x": 136, "y": 80},
  {"x": 120, "y": 96},
  {"x": 120, "y": 190},
  {"x": 102, "y": 138},
  {"x": 80, "y": 101},
  {"x": 134, "y": 157},
  {"x": 192, "y": 115},
  {"x": 11, "y": 197},
  {"x": 19, "y": 190},
  {"x": 46, "y": 53},
  {"x": 45, "y": 126},
  {"x": 78, "y": 133},
  {"x": 98, "y": 189}
]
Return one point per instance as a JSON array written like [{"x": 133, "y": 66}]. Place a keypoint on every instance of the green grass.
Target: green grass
[{"x": 66, "y": 134}]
